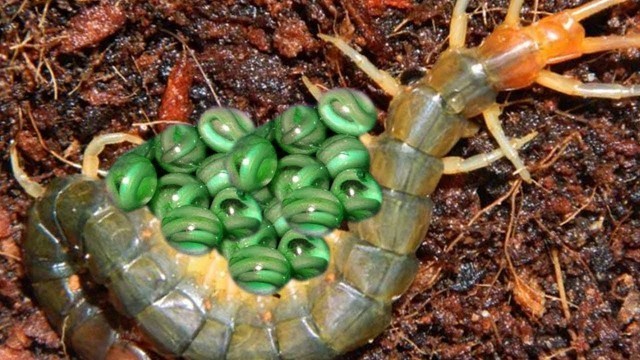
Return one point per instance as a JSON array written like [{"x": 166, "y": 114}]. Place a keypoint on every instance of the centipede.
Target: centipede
[{"x": 188, "y": 307}]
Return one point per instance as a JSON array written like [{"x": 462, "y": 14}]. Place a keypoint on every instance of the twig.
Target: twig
[
  {"x": 43, "y": 18},
  {"x": 53, "y": 79},
  {"x": 10, "y": 256},
  {"x": 560, "y": 282},
  {"x": 44, "y": 145},
  {"x": 484, "y": 210},
  {"x": 584, "y": 206}
]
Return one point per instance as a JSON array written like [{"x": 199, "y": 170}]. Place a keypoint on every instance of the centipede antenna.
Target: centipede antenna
[
  {"x": 610, "y": 42},
  {"x": 593, "y": 7}
]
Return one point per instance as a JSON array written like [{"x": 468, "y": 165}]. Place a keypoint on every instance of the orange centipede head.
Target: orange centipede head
[
  {"x": 559, "y": 37},
  {"x": 515, "y": 55}
]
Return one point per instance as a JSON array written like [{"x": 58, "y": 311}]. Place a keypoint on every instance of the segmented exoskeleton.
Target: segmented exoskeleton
[{"x": 189, "y": 306}]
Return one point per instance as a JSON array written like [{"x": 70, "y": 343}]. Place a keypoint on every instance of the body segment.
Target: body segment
[
  {"x": 189, "y": 306},
  {"x": 53, "y": 260}
]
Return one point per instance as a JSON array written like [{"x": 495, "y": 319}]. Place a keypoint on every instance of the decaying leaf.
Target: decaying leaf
[{"x": 529, "y": 295}]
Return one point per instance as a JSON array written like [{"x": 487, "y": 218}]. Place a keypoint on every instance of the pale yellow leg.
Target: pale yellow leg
[
  {"x": 512, "y": 19},
  {"x": 470, "y": 129},
  {"x": 492, "y": 119},
  {"x": 30, "y": 187},
  {"x": 458, "y": 26},
  {"x": 90, "y": 161},
  {"x": 456, "y": 164},
  {"x": 571, "y": 86},
  {"x": 386, "y": 82},
  {"x": 314, "y": 90}
]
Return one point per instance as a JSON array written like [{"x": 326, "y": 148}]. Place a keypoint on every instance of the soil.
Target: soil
[{"x": 546, "y": 270}]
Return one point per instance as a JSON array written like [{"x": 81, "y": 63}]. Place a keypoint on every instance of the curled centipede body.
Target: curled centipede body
[{"x": 189, "y": 306}]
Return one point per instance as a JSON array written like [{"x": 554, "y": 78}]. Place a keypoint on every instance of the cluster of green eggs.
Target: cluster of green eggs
[{"x": 262, "y": 197}]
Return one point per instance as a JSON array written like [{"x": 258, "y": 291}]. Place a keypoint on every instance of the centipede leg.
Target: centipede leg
[
  {"x": 458, "y": 26},
  {"x": 91, "y": 162},
  {"x": 386, "y": 82},
  {"x": 513, "y": 13},
  {"x": 492, "y": 119},
  {"x": 456, "y": 164},
  {"x": 314, "y": 90},
  {"x": 470, "y": 128},
  {"x": 30, "y": 187},
  {"x": 570, "y": 86}
]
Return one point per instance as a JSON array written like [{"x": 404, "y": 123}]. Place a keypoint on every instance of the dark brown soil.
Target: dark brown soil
[{"x": 489, "y": 284}]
